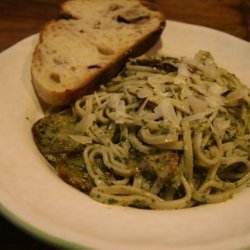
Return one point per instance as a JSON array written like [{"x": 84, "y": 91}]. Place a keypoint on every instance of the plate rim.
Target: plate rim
[{"x": 45, "y": 236}]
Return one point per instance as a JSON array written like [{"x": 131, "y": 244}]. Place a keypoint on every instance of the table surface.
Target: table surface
[{"x": 22, "y": 18}]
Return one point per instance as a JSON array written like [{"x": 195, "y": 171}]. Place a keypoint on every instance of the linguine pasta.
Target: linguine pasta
[{"x": 166, "y": 133}]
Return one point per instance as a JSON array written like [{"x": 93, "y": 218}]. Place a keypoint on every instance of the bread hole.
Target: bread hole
[
  {"x": 121, "y": 19},
  {"x": 67, "y": 16},
  {"x": 55, "y": 77},
  {"x": 104, "y": 50},
  {"x": 73, "y": 68},
  {"x": 94, "y": 66},
  {"x": 57, "y": 61},
  {"x": 129, "y": 20}
]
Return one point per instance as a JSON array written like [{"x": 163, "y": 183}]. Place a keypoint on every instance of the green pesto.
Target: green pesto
[{"x": 112, "y": 201}]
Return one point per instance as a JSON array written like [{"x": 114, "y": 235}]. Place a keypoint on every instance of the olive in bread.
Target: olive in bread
[{"x": 89, "y": 44}]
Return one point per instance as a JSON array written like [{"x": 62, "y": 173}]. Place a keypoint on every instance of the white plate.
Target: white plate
[{"x": 33, "y": 197}]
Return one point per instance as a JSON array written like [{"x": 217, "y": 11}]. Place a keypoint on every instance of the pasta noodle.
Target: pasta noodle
[{"x": 167, "y": 133}]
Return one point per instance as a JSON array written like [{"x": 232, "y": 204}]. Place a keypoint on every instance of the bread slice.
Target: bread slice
[{"x": 89, "y": 44}]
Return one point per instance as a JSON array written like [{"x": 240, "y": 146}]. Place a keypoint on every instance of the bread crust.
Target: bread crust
[{"x": 69, "y": 95}]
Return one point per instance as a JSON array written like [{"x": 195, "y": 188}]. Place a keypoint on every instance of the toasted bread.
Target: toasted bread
[{"x": 89, "y": 44}]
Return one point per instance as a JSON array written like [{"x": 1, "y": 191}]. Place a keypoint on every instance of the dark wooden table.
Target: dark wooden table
[{"x": 21, "y": 18}]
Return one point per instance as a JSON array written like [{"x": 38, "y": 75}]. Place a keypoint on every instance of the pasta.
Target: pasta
[{"x": 166, "y": 133}]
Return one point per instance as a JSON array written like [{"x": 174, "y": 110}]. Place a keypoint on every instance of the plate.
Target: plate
[{"x": 35, "y": 199}]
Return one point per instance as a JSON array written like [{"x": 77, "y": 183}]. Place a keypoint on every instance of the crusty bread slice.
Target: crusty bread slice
[{"x": 89, "y": 44}]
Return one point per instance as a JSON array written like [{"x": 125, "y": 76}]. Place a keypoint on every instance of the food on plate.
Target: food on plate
[
  {"x": 166, "y": 133},
  {"x": 89, "y": 44}
]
